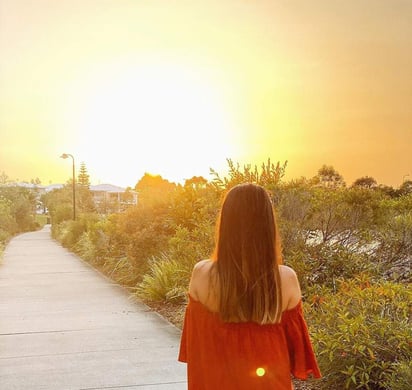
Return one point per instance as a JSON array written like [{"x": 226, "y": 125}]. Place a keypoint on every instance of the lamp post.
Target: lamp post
[{"x": 66, "y": 155}]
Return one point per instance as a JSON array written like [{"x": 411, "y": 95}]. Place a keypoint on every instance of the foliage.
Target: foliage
[
  {"x": 154, "y": 189},
  {"x": 17, "y": 210},
  {"x": 400, "y": 377},
  {"x": 351, "y": 248},
  {"x": 365, "y": 182},
  {"x": 406, "y": 187},
  {"x": 165, "y": 282},
  {"x": 328, "y": 176},
  {"x": 361, "y": 332},
  {"x": 393, "y": 255},
  {"x": 84, "y": 200},
  {"x": 59, "y": 202},
  {"x": 8, "y": 225},
  {"x": 143, "y": 232},
  {"x": 268, "y": 176},
  {"x": 323, "y": 265},
  {"x": 192, "y": 205},
  {"x": 83, "y": 178}
]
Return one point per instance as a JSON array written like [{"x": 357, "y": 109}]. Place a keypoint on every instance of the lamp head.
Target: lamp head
[{"x": 64, "y": 155}]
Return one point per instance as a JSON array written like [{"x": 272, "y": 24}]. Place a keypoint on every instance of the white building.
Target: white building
[{"x": 111, "y": 198}]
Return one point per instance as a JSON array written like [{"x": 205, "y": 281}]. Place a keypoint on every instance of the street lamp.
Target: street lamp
[{"x": 66, "y": 155}]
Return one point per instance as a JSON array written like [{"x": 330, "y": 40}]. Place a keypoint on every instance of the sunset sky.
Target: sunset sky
[{"x": 177, "y": 87}]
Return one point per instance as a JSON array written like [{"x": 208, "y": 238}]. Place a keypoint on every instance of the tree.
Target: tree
[
  {"x": 22, "y": 206},
  {"x": 85, "y": 202},
  {"x": 83, "y": 178},
  {"x": 154, "y": 189},
  {"x": 268, "y": 176},
  {"x": 59, "y": 202},
  {"x": 388, "y": 190},
  {"x": 196, "y": 182},
  {"x": 329, "y": 177},
  {"x": 365, "y": 182},
  {"x": 35, "y": 181},
  {"x": 8, "y": 225},
  {"x": 3, "y": 178},
  {"x": 406, "y": 187}
]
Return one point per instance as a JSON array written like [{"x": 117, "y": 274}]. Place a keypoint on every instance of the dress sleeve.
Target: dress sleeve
[
  {"x": 183, "y": 339},
  {"x": 302, "y": 357}
]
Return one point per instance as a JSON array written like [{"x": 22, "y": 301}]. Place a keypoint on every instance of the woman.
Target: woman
[{"x": 244, "y": 326}]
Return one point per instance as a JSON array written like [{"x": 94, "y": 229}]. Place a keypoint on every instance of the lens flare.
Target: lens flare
[{"x": 260, "y": 371}]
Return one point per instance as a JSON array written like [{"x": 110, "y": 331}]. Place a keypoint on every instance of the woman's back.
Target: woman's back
[
  {"x": 246, "y": 355},
  {"x": 244, "y": 325},
  {"x": 203, "y": 289}
]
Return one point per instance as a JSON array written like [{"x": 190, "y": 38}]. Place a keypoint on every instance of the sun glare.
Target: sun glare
[{"x": 164, "y": 119}]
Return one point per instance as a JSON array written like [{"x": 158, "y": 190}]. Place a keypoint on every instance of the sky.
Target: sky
[{"x": 175, "y": 88}]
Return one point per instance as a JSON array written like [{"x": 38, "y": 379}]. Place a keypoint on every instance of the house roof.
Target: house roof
[
  {"x": 107, "y": 188},
  {"x": 52, "y": 187}
]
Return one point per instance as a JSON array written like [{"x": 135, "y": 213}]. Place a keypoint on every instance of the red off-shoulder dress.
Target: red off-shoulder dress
[{"x": 245, "y": 356}]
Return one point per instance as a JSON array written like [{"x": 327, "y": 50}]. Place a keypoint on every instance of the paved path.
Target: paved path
[{"x": 65, "y": 326}]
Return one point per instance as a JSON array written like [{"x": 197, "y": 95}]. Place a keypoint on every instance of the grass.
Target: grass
[{"x": 41, "y": 219}]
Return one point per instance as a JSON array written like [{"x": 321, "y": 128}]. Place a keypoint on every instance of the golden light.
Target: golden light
[
  {"x": 164, "y": 119},
  {"x": 260, "y": 371}
]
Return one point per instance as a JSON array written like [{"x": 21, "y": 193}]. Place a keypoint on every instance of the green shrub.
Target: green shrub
[
  {"x": 401, "y": 376},
  {"x": 165, "y": 282},
  {"x": 69, "y": 232},
  {"x": 4, "y": 236},
  {"x": 394, "y": 255},
  {"x": 324, "y": 264},
  {"x": 85, "y": 248},
  {"x": 41, "y": 219},
  {"x": 2, "y": 246},
  {"x": 121, "y": 270},
  {"x": 190, "y": 246},
  {"x": 361, "y": 333},
  {"x": 141, "y": 233},
  {"x": 63, "y": 212}
]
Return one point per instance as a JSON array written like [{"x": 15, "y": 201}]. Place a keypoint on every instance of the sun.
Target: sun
[{"x": 165, "y": 119}]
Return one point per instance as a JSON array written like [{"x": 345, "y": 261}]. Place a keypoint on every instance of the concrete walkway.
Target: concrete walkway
[{"x": 65, "y": 326}]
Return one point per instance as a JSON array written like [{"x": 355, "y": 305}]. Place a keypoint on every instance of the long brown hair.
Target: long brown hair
[{"x": 247, "y": 256}]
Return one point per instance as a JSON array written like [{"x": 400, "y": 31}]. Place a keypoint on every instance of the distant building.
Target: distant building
[
  {"x": 109, "y": 198},
  {"x": 36, "y": 189}
]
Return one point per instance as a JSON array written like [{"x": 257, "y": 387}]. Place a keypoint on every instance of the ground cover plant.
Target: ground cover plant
[
  {"x": 17, "y": 211},
  {"x": 350, "y": 246}
]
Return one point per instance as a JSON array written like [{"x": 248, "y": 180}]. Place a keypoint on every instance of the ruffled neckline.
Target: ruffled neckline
[{"x": 286, "y": 313}]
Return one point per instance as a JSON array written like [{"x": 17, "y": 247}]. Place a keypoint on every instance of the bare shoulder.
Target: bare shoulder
[
  {"x": 290, "y": 287},
  {"x": 287, "y": 272},
  {"x": 199, "y": 278},
  {"x": 202, "y": 265}
]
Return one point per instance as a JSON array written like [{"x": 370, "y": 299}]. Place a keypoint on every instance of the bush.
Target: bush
[
  {"x": 85, "y": 247},
  {"x": 394, "y": 254},
  {"x": 121, "y": 270},
  {"x": 165, "y": 282},
  {"x": 141, "y": 233},
  {"x": 69, "y": 232},
  {"x": 401, "y": 376},
  {"x": 361, "y": 333}
]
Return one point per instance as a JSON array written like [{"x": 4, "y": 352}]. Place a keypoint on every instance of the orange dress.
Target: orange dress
[{"x": 245, "y": 356}]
